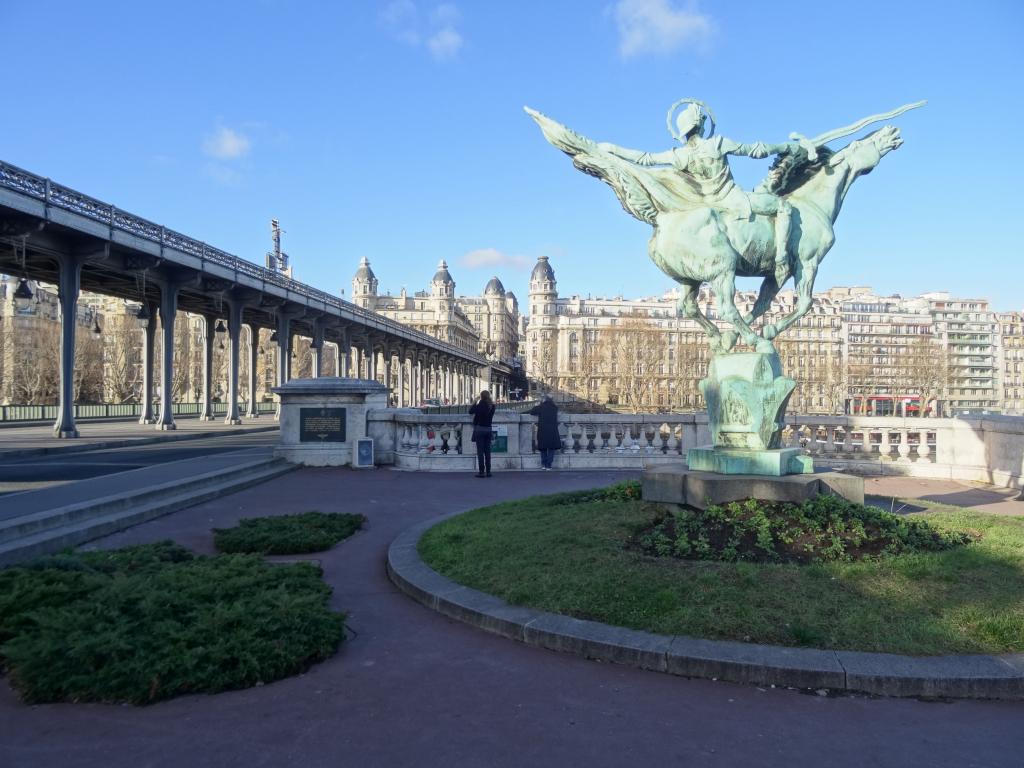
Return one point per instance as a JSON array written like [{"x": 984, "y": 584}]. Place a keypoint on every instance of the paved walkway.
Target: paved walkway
[
  {"x": 17, "y": 442},
  {"x": 415, "y": 689},
  {"x": 984, "y": 498}
]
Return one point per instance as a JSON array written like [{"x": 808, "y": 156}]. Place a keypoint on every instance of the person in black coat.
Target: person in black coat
[
  {"x": 483, "y": 411},
  {"x": 548, "y": 439}
]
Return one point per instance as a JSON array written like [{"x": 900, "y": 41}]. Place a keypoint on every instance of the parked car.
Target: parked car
[{"x": 430, "y": 402}]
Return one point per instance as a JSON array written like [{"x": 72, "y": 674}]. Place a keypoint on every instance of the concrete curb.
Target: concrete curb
[
  {"x": 128, "y": 442},
  {"x": 883, "y": 674}
]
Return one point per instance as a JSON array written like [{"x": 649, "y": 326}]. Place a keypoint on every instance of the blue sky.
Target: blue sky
[{"x": 394, "y": 130}]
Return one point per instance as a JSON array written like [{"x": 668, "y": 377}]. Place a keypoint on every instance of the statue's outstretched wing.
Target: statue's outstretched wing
[{"x": 643, "y": 191}]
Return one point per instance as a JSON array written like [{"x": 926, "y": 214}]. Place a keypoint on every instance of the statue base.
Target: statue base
[
  {"x": 774, "y": 462},
  {"x": 675, "y": 485},
  {"x": 746, "y": 395}
]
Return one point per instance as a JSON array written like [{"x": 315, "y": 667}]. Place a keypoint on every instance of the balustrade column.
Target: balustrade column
[
  {"x": 206, "y": 411},
  {"x": 168, "y": 310},
  {"x": 148, "y": 345},
  {"x": 252, "y": 408},
  {"x": 234, "y": 338},
  {"x": 70, "y": 280}
]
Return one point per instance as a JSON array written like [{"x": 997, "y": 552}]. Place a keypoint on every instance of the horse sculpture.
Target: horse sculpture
[{"x": 696, "y": 242}]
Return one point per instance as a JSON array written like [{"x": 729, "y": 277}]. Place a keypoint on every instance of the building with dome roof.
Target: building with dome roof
[
  {"x": 487, "y": 324},
  {"x": 854, "y": 352}
]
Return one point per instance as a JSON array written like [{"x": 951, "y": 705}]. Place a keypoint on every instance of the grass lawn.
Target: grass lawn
[{"x": 571, "y": 554}]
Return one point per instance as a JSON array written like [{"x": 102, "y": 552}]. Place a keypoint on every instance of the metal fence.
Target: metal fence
[{"x": 21, "y": 413}]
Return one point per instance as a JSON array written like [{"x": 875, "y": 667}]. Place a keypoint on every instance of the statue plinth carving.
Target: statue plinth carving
[
  {"x": 746, "y": 395},
  {"x": 707, "y": 229}
]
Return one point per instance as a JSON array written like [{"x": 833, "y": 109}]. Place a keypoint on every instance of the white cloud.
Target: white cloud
[
  {"x": 226, "y": 144},
  {"x": 444, "y": 43},
  {"x": 487, "y": 257},
  {"x": 437, "y": 31},
  {"x": 658, "y": 27},
  {"x": 401, "y": 19}
]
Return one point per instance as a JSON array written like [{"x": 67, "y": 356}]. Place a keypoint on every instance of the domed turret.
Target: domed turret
[
  {"x": 442, "y": 283},
  {"x": 364, "y": 285},
  {"x": 494, "y": 288},
  {"x": 542, "y": 271}
]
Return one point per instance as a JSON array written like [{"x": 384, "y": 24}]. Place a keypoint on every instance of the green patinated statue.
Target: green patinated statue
[{"x": 708, "y": 230}]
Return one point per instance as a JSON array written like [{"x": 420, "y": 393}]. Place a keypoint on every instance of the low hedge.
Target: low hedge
[
  {"x": 287, "y": 534},
  {"x": 150, "y": 622}
]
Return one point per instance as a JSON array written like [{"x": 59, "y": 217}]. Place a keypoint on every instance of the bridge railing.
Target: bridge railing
[
  {"x": 15, "y": 414},
  {"x": 988, "y": 450},
  {"x": 65, "y": 198}
]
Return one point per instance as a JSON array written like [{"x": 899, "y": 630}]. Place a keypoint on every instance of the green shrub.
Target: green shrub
[
  {"x": 150, "y": 622},
  {"x": 287, "y": 534},
  {"x": 827, "y": 528}
]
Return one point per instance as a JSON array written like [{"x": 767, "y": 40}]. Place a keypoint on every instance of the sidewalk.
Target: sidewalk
[
  {"x": 413, "y": 688},
  {"x": 19, "y": 442},
  {"x": 984, "y": 498}
]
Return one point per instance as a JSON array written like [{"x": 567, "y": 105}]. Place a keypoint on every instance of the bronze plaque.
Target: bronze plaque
[{"x": 321, "y": 425}]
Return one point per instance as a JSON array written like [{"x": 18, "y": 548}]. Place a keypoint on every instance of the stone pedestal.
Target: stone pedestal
[
  {"x": 322, "y": 418},
  {"x": 747, "y": 396},
  {"x": 675, "y": 485},
  {"x": 734, "y": 461}
]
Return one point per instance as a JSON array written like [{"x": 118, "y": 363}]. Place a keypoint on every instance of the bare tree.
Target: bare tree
[
  {"x": 122, "y": 359},
  {"x": 88, "y": 379},
  {"x": 927, "y": 372},
  {"x": 633, "y": 355},
  {"x": 33, "y": 355}
]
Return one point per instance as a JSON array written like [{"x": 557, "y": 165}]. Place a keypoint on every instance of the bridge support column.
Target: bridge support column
[
  {"x": 206, "y": 412},
  {"x": 284, "y": 353},
  {"x": 70, "y": 278},
  {"x": 344, "y": 355},
  {"x": 168, "y": 308},
  {"x": 252, "y": 407},
  {"x": 148, "y": 344},
  {"x": 415, "y": 392},
  {"x": 371, "y": 363},
  {"x": 234, "y": 337},
  {"x": 387, "y": 375},
  {"x": 401, "y": 379},
  {"x": 316, "y": 347}
]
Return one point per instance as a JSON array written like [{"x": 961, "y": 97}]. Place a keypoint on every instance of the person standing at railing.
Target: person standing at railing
[
  {"x": 483, "y": 412},
  {"x": 548, "y": 439}
]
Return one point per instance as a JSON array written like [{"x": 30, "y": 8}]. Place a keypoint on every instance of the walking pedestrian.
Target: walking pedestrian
[
  {"x": 548, "y": 439},
  {"x": 483, "y": 411}
]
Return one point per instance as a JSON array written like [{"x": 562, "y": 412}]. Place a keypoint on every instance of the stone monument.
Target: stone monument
[
  {"x": 708, "y": 230},
  {"x": 322, "y": 419}
]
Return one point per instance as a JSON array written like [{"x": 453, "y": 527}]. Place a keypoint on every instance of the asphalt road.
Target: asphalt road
[{"x": 35, "y": 472}]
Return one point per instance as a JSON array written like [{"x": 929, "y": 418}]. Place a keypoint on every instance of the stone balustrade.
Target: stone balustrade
[{"x": 989, "y": 449}]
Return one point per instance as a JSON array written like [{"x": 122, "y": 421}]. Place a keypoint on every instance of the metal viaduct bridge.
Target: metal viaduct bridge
[{"x": 51, "y": 233}]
